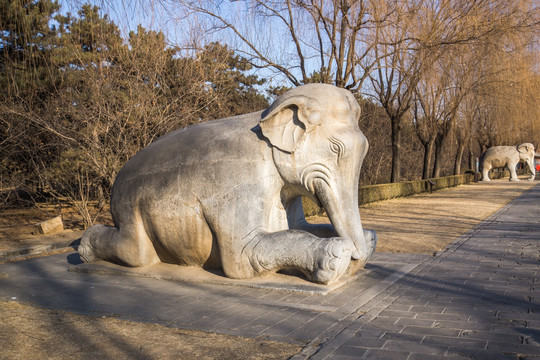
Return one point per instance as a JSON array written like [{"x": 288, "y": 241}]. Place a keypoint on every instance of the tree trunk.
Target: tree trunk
[
  {"x": 459, "y": 157},
  {"x": 428, "y": 155},
  {"x": 396, "y": 149},
  {"x": 438, "y": 156},
  {"x": 472, "y": 162}
]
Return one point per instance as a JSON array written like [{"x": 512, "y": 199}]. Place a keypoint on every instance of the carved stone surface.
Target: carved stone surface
[
  {"x": 509, "y": 157},
  {"x": 227, "y": 193}
]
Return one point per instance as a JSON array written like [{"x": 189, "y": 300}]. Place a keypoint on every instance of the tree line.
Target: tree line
[
  {"x": 452, "y": 77},
  {"x": 438, "y": 82}
]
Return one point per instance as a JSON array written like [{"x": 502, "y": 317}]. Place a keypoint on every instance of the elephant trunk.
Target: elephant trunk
[{"x": 343, "y": 212}]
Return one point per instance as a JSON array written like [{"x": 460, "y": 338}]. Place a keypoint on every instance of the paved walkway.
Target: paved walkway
[{"x": 475, "y": 300}]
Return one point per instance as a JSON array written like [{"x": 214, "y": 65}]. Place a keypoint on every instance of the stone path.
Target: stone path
[{"x": 475, "y": 300}]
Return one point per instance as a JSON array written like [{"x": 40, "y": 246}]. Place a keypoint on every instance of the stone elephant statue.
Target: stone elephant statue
[
  {"x": 509, "y": 157},
  {"x": 227, "y": 193}
]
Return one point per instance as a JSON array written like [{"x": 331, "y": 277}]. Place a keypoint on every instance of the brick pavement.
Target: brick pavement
[
  {"x": 473, "y": 301},
  {"x": 476, "y": 300}
]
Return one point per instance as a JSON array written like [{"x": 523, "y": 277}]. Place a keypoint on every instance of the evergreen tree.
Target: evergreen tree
[{"x": 25, "y": 43}]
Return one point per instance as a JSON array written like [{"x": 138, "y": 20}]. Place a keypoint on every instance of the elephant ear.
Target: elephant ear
[
  {"x": 286, "y": 122},
  {"x": 355, "y": 108},
  {"x": 525, "y": 148}
]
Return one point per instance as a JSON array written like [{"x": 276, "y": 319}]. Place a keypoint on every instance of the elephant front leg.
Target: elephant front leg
[
  {"x": 323, "y": 260},
  {"x": 532, "y": 171}
]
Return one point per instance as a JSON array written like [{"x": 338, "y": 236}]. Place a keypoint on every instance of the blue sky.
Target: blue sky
[{"x": 127, "y": 14}]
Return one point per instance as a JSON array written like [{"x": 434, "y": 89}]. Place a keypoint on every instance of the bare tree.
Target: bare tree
[
  {"x": 468, "y": 113},
  {"x": 394, "y": 82},
  {"x": 401, "y": 62},
  {"x": 438, "y": 96},
  {"x": 303, "y": 40},
  {"x": 425, "y": 125}
]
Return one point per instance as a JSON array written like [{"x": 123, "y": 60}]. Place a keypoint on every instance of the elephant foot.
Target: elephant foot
[
  {"x": 85, "y": 248},
  {"x": 370, "y": 237},
  {"x": 332, "y": 260},
  {"x": 371, "y": 241},
  {"x": 514, "y": 179},
  {"x": 86, "y": 253}
]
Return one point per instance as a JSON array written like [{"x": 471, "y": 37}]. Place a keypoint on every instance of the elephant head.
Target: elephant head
[
  {"x": 526, "y": 154},
  {"x": 318, "y": 150}
]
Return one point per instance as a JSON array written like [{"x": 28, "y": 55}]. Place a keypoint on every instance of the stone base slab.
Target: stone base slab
[{"x": 164, "y": 271}]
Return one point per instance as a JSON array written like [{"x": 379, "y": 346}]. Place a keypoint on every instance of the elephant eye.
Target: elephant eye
[{"x": 337, "y": 146}]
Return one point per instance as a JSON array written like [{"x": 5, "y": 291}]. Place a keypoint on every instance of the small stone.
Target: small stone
[{"x": 48, "y": 227}]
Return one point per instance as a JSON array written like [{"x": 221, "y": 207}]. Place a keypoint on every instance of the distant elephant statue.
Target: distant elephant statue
[
  {"x": 509, "y": 157},
  {"x": 227, "y": 193}
]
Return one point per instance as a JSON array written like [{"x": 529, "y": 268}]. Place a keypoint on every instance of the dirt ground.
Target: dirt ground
[
  {"x": 27, "y": 332},
  {"x": 423, "y": 223},
  {"x": 17, "y": 225}
]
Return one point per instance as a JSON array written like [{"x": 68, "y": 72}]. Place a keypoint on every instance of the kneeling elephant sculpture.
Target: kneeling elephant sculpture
[
  {"x": 509, "y": 157},
  {"x": 227, "y": 193}
]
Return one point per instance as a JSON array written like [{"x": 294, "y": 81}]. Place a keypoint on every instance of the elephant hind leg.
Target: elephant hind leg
[
  {"x": 485, "y": 173},
  {"x": 101, "y": 242}
]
